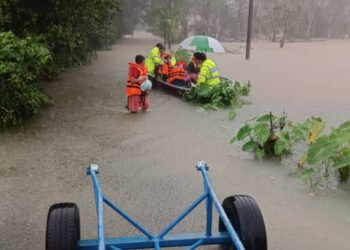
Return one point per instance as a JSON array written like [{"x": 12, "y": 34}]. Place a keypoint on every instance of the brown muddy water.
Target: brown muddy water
[{"x": 147, "y": 160}]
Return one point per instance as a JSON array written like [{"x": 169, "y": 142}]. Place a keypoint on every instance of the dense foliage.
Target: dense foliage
[
  {"x": 328, "y": 155},
  {"x": 40, "y": 38},
  {"x": 72, "y": 30},
  {"x": 270, "y": 136},
  {"x": 22, "y": 62},
  {"x": 225, "y": 94},
  {"x": 167, "y": 19},
  {"x": 182, "y": 56}
]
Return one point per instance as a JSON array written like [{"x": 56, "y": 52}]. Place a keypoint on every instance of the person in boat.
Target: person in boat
[
  {"x": 153, "y": 60},
  {"x": 192, "y": 71},
  {"x": 208, "y": 73},
  {"x": 177, "y": 75},
  {"x": 138, "y": 85},
  {"x": 166, "y": 67}
]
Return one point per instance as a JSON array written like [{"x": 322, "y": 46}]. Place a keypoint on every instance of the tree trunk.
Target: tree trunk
[
  {"x": 285, "y": 24},
  {"x": 170, "y": 24},
  {"x": 284, "y": 35},
  {"x": 169, "y": 41},
  {"x": 238, "y": 23},
  {"x": 165, "y": 34},
  {"x": 249, "y": 31},
  {"x": 310, "y": 24},
  {"x": 185, "y": 20},
  {"x": 274, "y": 36}
]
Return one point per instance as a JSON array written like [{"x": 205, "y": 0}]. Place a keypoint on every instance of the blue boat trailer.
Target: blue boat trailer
[{"x": 227, "y": 235}]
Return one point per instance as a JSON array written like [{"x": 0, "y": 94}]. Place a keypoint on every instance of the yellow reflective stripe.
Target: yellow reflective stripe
[{"x": 212, "y": 71}]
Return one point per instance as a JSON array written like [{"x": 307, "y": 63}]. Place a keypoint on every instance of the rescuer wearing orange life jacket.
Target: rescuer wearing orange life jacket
[{"x": 137, "y": 76}]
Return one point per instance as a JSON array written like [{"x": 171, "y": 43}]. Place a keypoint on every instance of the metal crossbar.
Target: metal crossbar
[{"x": 162, "y": 239}]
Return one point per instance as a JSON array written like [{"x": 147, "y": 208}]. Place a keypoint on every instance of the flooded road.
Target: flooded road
[{"x": 147, "y": 160}]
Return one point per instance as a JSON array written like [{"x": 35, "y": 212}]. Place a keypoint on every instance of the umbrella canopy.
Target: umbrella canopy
[{"x": 202, "y": 44}]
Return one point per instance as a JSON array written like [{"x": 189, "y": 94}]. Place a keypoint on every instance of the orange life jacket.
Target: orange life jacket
[
  {"x": 133, "y": 88},
  {"x": 177, "y": 73},
  {"x": 164, "y": 69}
]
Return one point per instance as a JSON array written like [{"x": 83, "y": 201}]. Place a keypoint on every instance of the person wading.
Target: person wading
[{"x": 136, "y": 77}]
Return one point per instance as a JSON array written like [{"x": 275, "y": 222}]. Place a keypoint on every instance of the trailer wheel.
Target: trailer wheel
[
  {"x": 246, "y": 218},
  {"x": 63, "y": 227}
]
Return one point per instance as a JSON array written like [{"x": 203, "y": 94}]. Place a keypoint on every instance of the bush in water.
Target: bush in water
[
  {"x": 21, "y": 64},
  {"x": 225, "y": 94},
  {"x": 270, "y": 136},
  {"x": 327, "y": 155}
]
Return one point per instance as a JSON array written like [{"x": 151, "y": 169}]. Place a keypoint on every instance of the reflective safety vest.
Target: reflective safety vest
[
  {"x": 152, "y": 60},
  {"x": 208, "y": 73},
  {"x": 173, "y": 61},
  {"x": 133, "y": 88},
  {"x": 177, "y": 73}
]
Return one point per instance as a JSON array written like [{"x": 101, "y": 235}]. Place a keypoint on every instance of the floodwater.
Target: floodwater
[{"x": 147, "y": 160}]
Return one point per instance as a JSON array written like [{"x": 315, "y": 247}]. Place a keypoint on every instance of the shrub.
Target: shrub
[
  {"x": 72, "y": 30},
  {"x": 270, "y": 136},
  {"x": 182, "y": 56},
  {"x": 329, "y": 154},
  {"x": 21, "y": 64},
  {"x": 225, "y": 94}
]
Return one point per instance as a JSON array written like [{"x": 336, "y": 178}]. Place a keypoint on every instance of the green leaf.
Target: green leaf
[
  {"x": 201, "y": 109},
  {"x": 265, "y": 118},
  {"x": 232, "y": 114},
  {"x": 344, "y": 161},
  {"x": 306, "y": 173},
  {"x": 262, "y": 132},
  {"x": 283, "y": 144},
  {"x": 249, "y": 146},
  {"x": 203, "y": 91},
  {"x": 233, "y": 140},
  {"x": 300, "y": 132},
  {"x": 345, "y": 127},
  {"x": 243, "y": 132},
  {"x": 259, "y": 154},
  {"x": 280, "y": 146},
  {"x": 322, "y": 149}
]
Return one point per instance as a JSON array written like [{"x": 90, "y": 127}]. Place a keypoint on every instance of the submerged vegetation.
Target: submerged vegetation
[
  {"x": 326, "y": 156},
  {"x": 226, "y": 94},
  {"x": 270, "y": 136}
]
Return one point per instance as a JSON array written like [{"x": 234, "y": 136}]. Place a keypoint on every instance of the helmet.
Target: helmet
[{"x": 146, "y": 85}]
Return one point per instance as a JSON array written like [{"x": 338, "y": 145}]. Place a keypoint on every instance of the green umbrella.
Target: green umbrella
[{"x": 202, "y": 44}]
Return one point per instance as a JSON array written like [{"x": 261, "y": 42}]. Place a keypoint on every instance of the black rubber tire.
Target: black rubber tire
[
  {"x": 246, "y": 218},
  {"x": 63, "y": 227}
]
